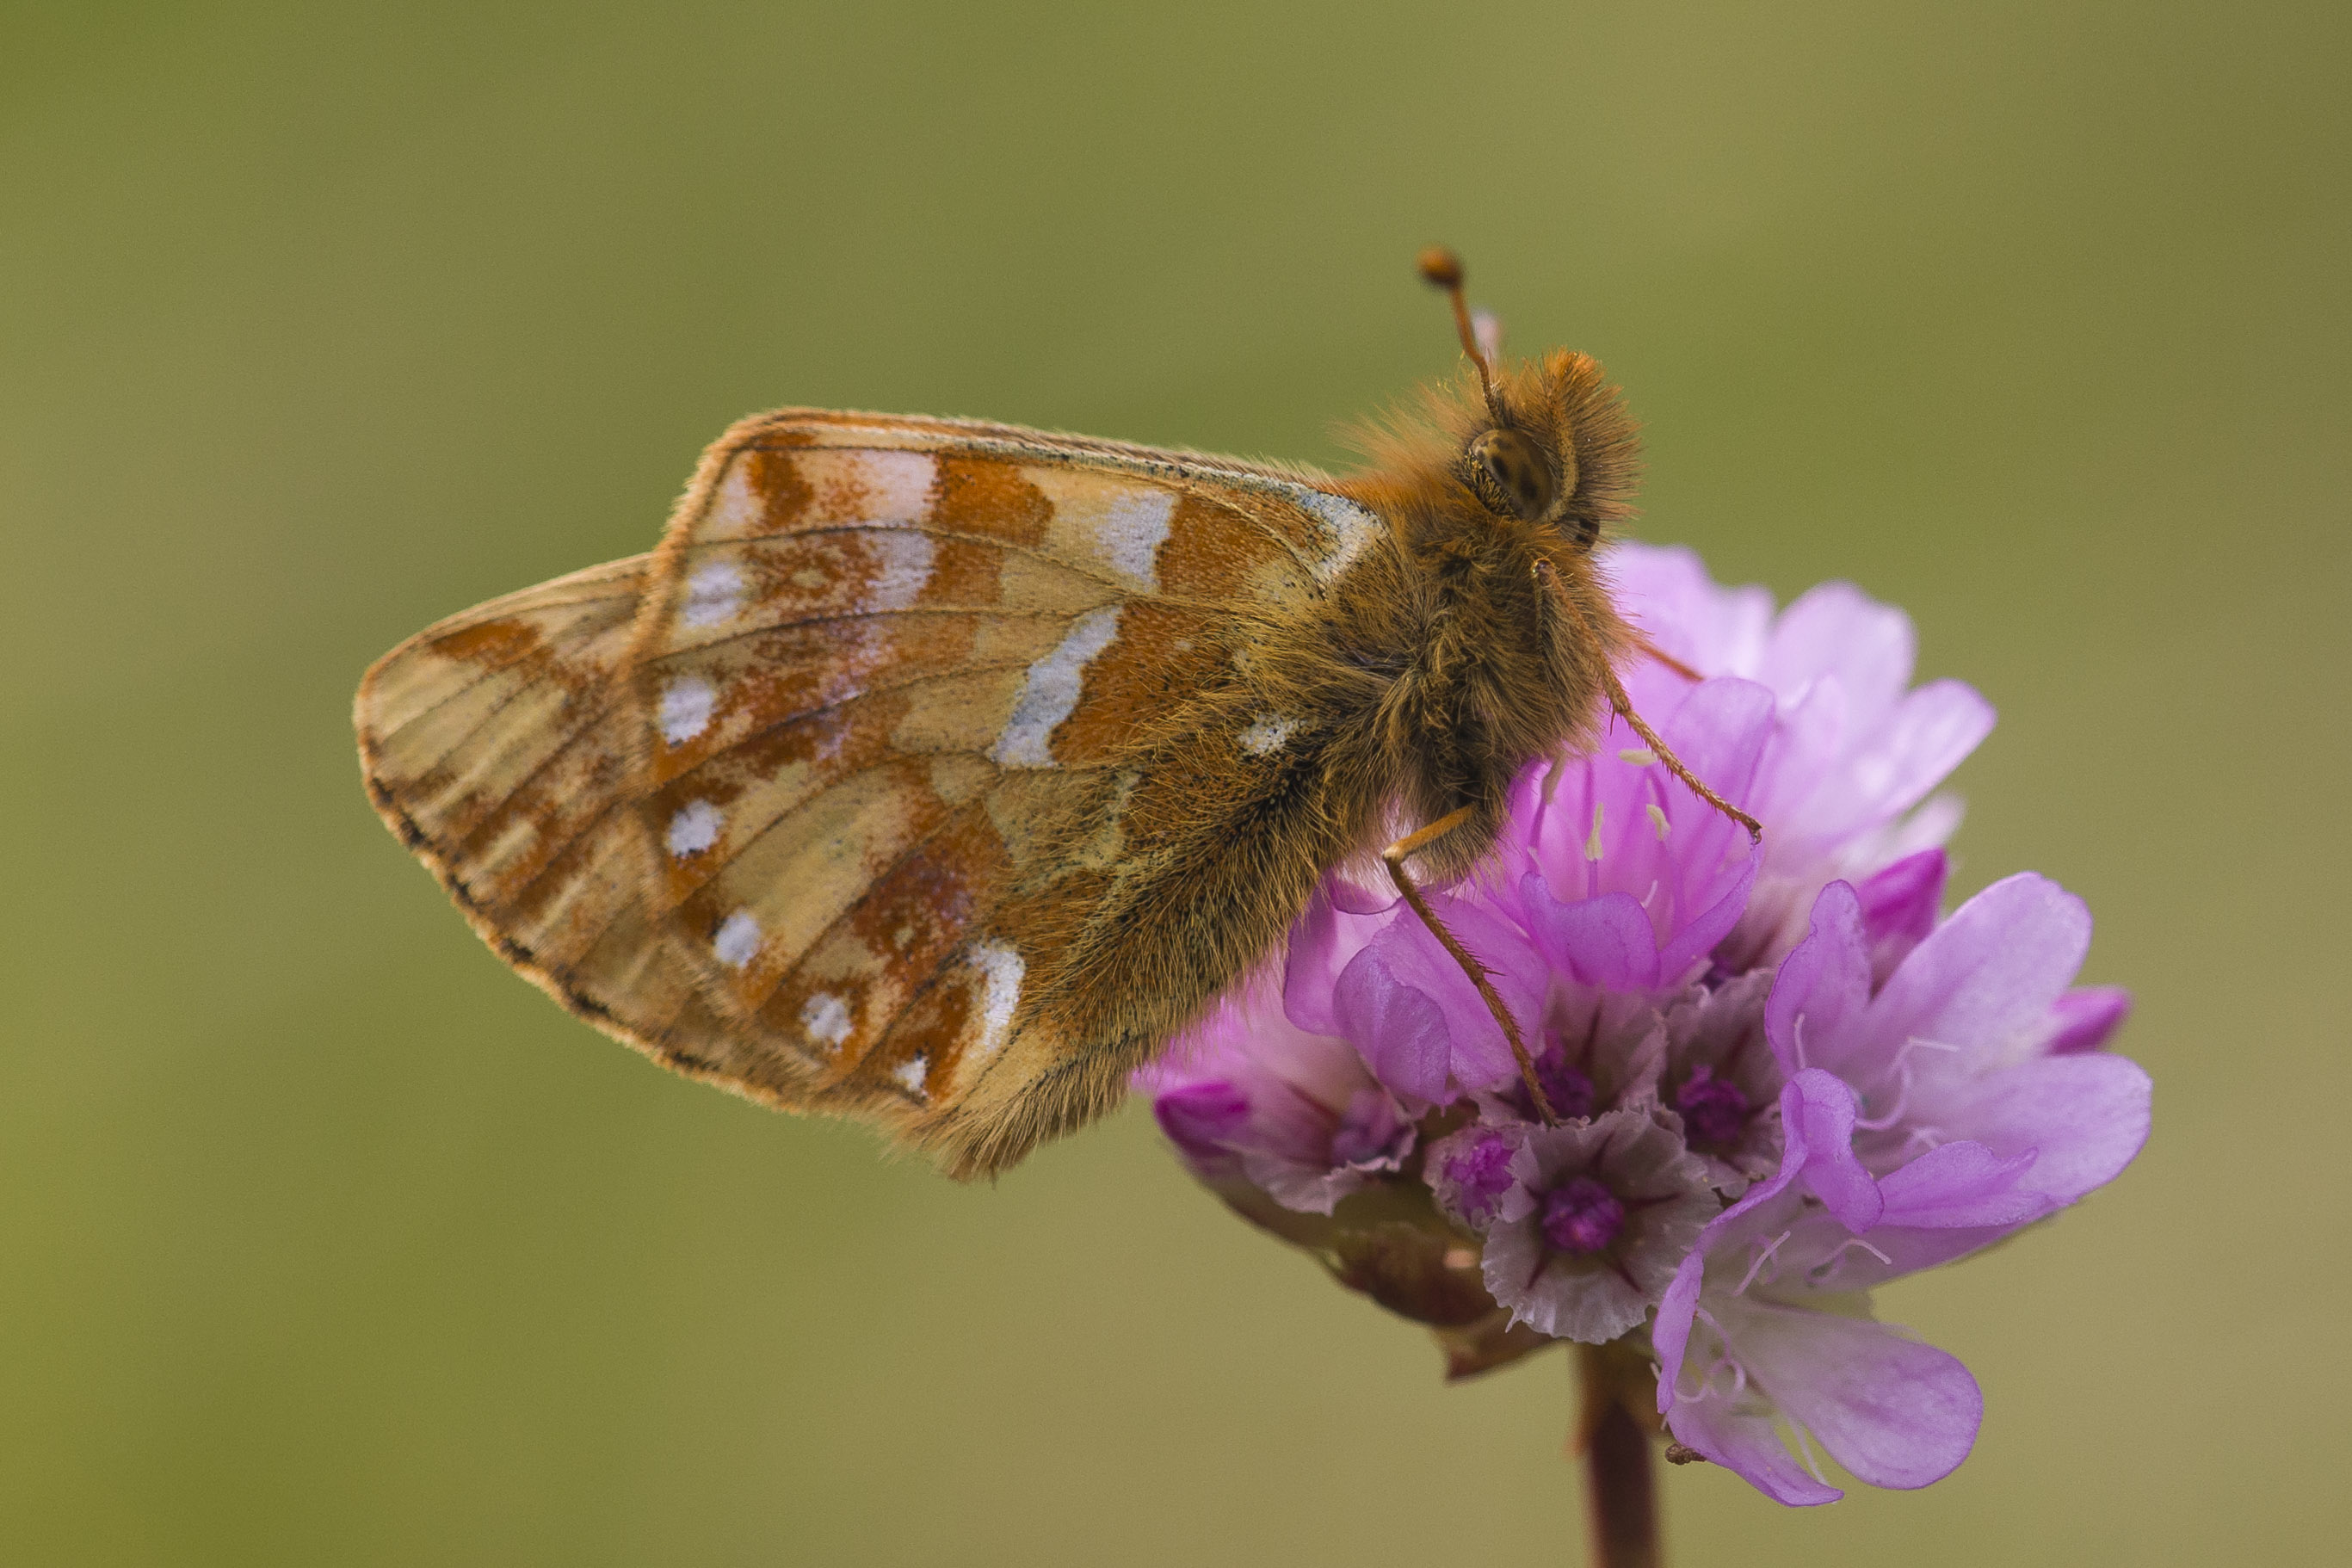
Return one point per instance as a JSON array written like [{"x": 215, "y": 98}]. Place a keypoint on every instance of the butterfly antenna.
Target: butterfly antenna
[{"x": 1442, "y": 269}]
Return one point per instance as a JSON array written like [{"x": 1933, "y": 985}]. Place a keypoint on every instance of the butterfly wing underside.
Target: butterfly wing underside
[
  {"x": 758, "y": 804},
  {"x": 500, "y": 746}
]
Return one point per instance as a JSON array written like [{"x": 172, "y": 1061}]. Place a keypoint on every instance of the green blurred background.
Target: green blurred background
[{"x": 323, "y": 1239}]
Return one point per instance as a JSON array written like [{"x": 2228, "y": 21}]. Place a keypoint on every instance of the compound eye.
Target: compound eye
[{"x": 1509, "y": 474}]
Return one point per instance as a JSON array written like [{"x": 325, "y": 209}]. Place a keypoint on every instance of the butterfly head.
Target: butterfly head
[{"x": 1547, "y": 444}]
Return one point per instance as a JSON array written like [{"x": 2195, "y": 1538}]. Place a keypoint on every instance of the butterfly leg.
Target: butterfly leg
[
  {"x": 1624, "y": 707},
  {"x": 1394, "y": 857}
]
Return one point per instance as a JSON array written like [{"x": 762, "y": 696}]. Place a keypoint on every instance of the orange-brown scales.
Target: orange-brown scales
[{"x": 938, "y": 773}]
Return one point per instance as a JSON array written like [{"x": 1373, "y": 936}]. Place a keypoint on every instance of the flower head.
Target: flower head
[{"x": 1764, "y": 1080}]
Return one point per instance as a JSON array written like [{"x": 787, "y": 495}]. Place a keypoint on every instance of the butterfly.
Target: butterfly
[{"x": 938, "y": 774}]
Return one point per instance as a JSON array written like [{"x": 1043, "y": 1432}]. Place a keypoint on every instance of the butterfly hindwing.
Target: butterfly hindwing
[
  {"x": 500, "y": 745},
  {"x": 495, "y": 742}
]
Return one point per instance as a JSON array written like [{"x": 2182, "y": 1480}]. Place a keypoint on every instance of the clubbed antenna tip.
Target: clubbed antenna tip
[{"x": 1442, "y": 269}]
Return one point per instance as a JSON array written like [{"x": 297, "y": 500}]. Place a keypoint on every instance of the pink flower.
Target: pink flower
[
  {"x": 1719, "y": 1079},
  {"x": 1741, "y": 1345},
  {"x": 1974, "y": 1035},
  {"x": 1613, "y": 1204},
  {"x": 1611, "y": 878},
  {"x": 1250, "y": 1098},
  {"x": 1778, "y": 1077},
  {"x": 1471, "y": 1174}
]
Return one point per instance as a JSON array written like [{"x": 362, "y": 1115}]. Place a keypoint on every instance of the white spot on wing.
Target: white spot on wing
[
  {"x": 1002, "y": 969},
  {"x": 736, "y": 509},
  {"x": 737, "y": 941},
  {"x": 686, "y": 706},
  {"x": 713, "y": 594},
  {"x": 826, "y": 1019},
  {"x": 902, "y": 562},
  {"x": 1266, "y": 734},
  {"x": 908, "y": 1075},
  {"x": 1351, "y": 528},
  {"x": 1130, "y": 533},
  {"x": 898, "y": 485},
  {"x": 694, "y": 829},
  {"x": 1051, "y": 690}
]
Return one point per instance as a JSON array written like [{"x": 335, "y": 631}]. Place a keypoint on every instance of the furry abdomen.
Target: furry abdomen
[{"x": 1424, "y": 684}]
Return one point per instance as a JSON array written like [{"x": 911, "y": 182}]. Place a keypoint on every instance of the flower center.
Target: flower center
[
  {"x": 1713, "y": 1110},
  {"x": 1482, "y": 1175},
  {"x": 1569, "y": 1091},
  {"x": 1582, "y": 1216}
]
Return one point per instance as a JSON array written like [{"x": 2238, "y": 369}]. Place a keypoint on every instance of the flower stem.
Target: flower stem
[{"x": 1613, "y": 1433}]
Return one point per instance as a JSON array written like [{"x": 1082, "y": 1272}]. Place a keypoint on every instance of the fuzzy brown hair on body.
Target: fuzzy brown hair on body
[
  {"x": 913, "y": 780},
  {"x": 1437, "y": 669}
]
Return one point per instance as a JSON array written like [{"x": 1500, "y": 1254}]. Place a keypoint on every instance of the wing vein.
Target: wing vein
[{"x": 1182, "y": 468}]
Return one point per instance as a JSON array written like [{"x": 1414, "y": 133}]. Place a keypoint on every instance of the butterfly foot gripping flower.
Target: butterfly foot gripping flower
[{"x": 1778, "y": 1075}]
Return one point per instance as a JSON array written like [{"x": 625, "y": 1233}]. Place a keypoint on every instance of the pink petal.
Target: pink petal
[
  {"x": 1677, "y": 1309},
  {"x": 1990, "y": 973},
  {"x": 1893, "y": 1411},
  {"x": 1702, "y": 930},
  {"x": 1929, "y": 732},
  {"x": 1899, "y": 906},
  {"x": 2085, "y": 1017},
  {"x": 1398, "y": 1029},
  {"x": 1823, "y": 987},
  {"x": 1719, "y": 733},
  {"x": 1200, "y": 1118},
  {"x": 1605, "y": 941},
  {"x": 1961, "y": 1184},
  {"x": 1747, "y": 1446},
  {"x": 2085, "y": 1117},
  {"x": 1837, "y": 630},
  {"x": 1398, "y": 1038},
  {"x": 1322, "y": 942},
  {"x": 1817, "y": 1117},
  {"x": 1896, "y": 1250},
  {"x": 1668, "y": 593}
]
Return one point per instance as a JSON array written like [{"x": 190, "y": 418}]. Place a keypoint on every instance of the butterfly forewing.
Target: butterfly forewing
[{"x": 887, "y": 671}]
